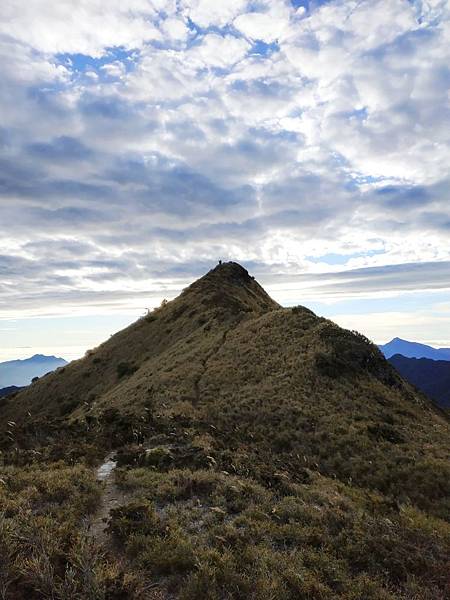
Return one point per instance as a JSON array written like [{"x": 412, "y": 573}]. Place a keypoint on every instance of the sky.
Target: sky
[{"x": 143, "y": 140}]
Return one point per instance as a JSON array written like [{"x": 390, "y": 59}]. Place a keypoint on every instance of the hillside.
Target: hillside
[
  {"x": 262, "y": 452},
  {"x": 432, "y": 377},
  {"x": 414, "y": 350},
  {"x": 21, "y": 372}
]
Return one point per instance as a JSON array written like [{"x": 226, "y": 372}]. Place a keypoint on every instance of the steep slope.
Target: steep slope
[
  {"x": 432, "y": 377},
  {"x": 21, "y": 372},
  {"x": 196, "y": 319},
  {"x": 262, "y": 452},
  {"x": 414, "y": 350}
]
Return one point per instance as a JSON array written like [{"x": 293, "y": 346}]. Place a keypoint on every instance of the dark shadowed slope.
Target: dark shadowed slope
[
  {"x": 414, "y": 350},
  {"x": 430, "y": 376},
  {"x": 21, "y": 372},
  {"x": 263, "y": 453}
]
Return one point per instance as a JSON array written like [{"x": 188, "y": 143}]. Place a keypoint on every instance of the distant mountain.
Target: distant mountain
[
  {"x": 431, "y": 376},
  {"x": 414, "y": 350},
  {"x": 9, "y": 390},
  {"x": 21, "y": 372}
]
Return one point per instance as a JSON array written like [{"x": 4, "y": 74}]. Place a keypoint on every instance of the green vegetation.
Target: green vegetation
[{"x": 262, "y": 453}]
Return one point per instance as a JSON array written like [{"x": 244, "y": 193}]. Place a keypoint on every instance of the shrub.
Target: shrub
[
  {"x": 351, "y": 352},
  {"x": 173, "y": 554},
  {"x": 131, "y": 455},
  {"x": 125, "y": 369},
  {"x": 135, "y": 517},
  {"x": 159, "y": 457},
  {"x": 382, "y": 431},
  {"x": 68, "y": 406}
]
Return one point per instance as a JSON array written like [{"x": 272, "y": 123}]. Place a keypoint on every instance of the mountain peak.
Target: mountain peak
[
  {"x": 21, "y": 371},
  {"x": 229, "y": 286},
  {"x": 229, "y": 272},
  {"x": 413, "y": 350},
  {"x": 231, "y": 269}
]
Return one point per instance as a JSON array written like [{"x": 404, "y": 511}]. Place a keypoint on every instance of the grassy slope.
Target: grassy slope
[{"x": 266, "y": 453}]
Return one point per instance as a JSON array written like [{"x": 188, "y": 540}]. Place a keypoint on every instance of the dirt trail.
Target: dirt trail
[{"x": 112, "y": 497}]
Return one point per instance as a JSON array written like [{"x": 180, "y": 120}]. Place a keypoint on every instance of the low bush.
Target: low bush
[
  {"x": 125, "y": 369},
  {"x": 135, "y": 517}
]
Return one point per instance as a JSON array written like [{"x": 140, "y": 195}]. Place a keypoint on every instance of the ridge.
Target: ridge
[{"x": 229, "y": 286}]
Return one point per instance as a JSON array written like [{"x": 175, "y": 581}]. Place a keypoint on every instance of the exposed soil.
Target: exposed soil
[{"x": 112, "y": 497}]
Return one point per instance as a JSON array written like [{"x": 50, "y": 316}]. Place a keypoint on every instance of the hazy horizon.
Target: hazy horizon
[{"x": 85, "y": 332}]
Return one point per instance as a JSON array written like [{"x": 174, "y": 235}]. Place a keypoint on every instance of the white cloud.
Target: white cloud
[
  {"x": 218, "y": 51},
  {"x": 86, "y": 26},
  {"x": 114, "y": 69},
  {"x": 175, "y": 28},
  {"x": 270, "y": 21},
  {"x": 204, "y": 144},
  {"x": 426, "y": 326},
  {"x": 379, "y": 60},
  {"x": 206, "y": 13},
  {"x": 260, "y": 26}
]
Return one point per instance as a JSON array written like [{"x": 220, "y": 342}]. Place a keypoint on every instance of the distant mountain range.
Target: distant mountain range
[
  {"x": 9, "y": 390},
  {"x": 425, "y": 367},
  {"x": 20, "y": 372},
  {"x": 432, "y": 377},
  {"x": 414, "y": 350}
]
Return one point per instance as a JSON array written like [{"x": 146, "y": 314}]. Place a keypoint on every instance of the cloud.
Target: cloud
[
  {"x": 391, "y": 278},
  {"x": 266, "y": 26},
  {"x": 62, "y": 148},
  {"x": 207, "y": 13},
  {"x": 376, "y": 69},
  {"x": 87, "y": 27},
  {"x": 218, "y": 51},
  {"x": 384, "y": 326},
  {"x": 152, "y": 138}
]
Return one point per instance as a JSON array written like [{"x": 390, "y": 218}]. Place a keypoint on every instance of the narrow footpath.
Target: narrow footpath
[{"x": 112, "y": 497}]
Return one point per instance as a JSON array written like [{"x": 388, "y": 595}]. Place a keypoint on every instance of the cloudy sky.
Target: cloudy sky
[{"x": 142, "y": 140}]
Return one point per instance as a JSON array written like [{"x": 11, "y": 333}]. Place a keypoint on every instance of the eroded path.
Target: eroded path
[{"x": 112, "y": 497}]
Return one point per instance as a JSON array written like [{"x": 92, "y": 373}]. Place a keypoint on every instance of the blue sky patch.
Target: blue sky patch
[
  {"x": 341, "y": 259},
  {"x": 263, "y": 49},
  {"x": 82, "y": 63}
]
